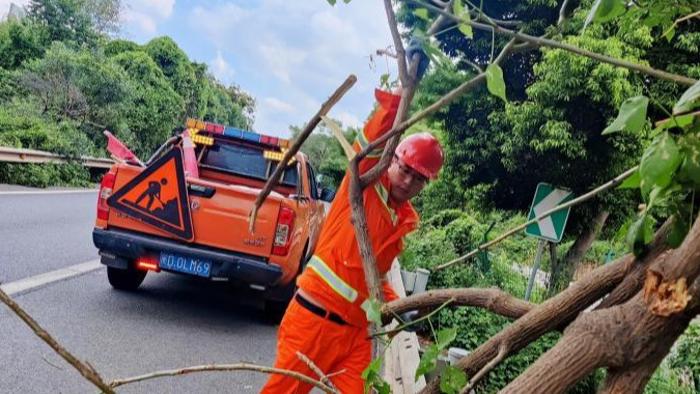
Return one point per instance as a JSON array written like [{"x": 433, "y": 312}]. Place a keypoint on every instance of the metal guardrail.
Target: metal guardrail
[{"x": 20, "y": 155}]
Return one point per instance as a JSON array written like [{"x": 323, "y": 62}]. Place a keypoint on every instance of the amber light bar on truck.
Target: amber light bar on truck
[{"x": 236, "y": 133}]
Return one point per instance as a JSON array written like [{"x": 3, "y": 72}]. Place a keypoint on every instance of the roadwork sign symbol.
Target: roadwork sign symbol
[
  {"x": 158, "y": 196},
  {"x": 552, "y": 227}
]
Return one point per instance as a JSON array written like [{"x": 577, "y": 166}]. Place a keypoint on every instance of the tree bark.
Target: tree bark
[
  {"x": 557, "y": 311},
  {"x": 493, "y": 299},
  {"x": 629, "y": 338},
  {"x": 564, "y": 271}
]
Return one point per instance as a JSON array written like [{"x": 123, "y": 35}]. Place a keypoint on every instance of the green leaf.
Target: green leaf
[
  {"x": 605, "y": 10},
  {"x": 659, "y": 162},
  {"x": 373, "y": 379},
  {"x": 461, "y": 11},
  {"x": 632, "y": 182},
  {"x": 452, "y": 380},
  {"x": 689, "y": 171},
  {"x": 428, "y": 361},
  {"x": 445, "y": 337},
  {"x": 669, "y": 34},
  {"x": 331, "y": 2},
  {"x": 347, "y": 1},
  {"x": 372, "y": 310},
  {"x": 679, "y": 229},
  {"x": 494, "y": 81},
  {"x": 422, "y": 13},
  {"x": 640, "y": 233},
  {"x": 689, "y": 99},
  {"x": 632, "y": 115}
]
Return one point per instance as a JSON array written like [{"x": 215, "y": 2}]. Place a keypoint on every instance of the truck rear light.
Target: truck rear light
[
  {"x": 283, "y": 233},
  {"x": 106, "y": 187},
  {"x": 147, "y": 263}
]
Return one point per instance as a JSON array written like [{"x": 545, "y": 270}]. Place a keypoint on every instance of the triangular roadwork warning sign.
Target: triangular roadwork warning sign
[{"x": 158, "y": 196}]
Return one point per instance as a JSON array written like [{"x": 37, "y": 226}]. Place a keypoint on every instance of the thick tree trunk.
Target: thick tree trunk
[
  {"x": 557, "y": 311},
  {"x": 630, "y": 338},
  {"x": 563, "y": 271}
]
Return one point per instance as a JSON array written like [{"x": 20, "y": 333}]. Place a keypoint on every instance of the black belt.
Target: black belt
[{"x": 318, "y": 311}]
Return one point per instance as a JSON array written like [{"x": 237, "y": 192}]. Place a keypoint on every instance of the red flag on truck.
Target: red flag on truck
[{"x": 117, "y": 148}]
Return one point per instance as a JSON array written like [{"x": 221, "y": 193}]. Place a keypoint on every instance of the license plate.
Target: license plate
[{"x": 187, "y": 265}]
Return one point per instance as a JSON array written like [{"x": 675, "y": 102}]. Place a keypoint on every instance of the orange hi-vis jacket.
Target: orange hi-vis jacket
[{"x": 334, "y": 275}]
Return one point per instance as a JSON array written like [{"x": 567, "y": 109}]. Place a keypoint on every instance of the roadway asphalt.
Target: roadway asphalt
[
  {"x": 43, "y": 232},
  {"x": 170, "y": 322}
]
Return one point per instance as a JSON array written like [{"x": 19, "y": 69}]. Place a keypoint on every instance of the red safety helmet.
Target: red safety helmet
[{"x": 423, "y": 153}]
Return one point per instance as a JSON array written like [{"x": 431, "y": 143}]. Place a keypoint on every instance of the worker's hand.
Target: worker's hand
[{"x": 414, "y": 47}]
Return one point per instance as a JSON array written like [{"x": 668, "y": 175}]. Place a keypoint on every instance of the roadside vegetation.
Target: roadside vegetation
[{"x": 64, "y": 79}]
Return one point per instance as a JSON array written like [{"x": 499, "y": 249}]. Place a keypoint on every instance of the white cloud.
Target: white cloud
[
  {"x": 348, "y": 119},
  {"x": 144, "y": 16},
  {"x": 5, "y": 6},
  {"x": 221, "y": 69},
  {"x": 278, "y": 105},
  {"x": 296, "y": 53}
]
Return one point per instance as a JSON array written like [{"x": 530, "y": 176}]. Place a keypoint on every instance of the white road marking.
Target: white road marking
[
  {"x": 22, "y": 192},
  {"x": 25, "y": 284}
]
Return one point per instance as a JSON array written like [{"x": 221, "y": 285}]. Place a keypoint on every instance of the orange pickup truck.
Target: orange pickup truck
[{"x": 156, "y": 217}]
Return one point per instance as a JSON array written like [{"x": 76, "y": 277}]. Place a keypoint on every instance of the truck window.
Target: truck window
[
  {"x": 247, "y": 161},
  {"x": 312, "y": 181}
]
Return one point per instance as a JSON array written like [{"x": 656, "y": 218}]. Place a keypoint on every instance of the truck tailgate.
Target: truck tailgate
[{"x": 219, "y": 215}]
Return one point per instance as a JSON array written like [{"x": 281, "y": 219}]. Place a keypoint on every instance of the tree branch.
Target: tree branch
[
  {"x": 556, "y": 312},
  {"x": 281, "y": 166},
  {"x": 398, "y": 45},
  {"x": 87, "y": 371},
  {"x": 624, "y": 336},
  {"x": 323, "y": 378},
  {"x": 544, "y": 42},
  {"x": 502, "y": 351},
  {"x": 494, "y": 299},
  {"x": 223, "y": 367}
]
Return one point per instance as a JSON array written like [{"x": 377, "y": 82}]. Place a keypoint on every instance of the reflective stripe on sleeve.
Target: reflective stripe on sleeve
[
  {"x": 384, "y": 196},
  {"x": 333, "y": 280}
]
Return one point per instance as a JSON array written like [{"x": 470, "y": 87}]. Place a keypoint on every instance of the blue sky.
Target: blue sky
[{"x": 290, "y": 55}]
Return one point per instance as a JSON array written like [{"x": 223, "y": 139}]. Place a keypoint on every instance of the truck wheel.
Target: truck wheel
[{"x": 128, "y": 279}]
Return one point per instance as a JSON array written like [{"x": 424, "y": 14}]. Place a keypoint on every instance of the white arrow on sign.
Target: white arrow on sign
[{"x": 547, "y": 203}]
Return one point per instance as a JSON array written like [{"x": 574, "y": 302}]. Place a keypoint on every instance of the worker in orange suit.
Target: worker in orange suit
[{"x": 326, "y": 320}]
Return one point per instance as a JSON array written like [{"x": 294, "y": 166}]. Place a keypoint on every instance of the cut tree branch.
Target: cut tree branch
[
  {"x": 494, "y": 300},
  {"x": 557, "y": 311},
  {"x": 545, "y": 42},
  {"x": 87, "y": 371},
  {"x": 322, "y": 377},
  {"x": 625, "y": 336},
  {"x": 282, "y": 165},
  {"x": 502, "y": 351},
  {"x": 398, "y": 45},
  {"x": 223, "y": 367}
]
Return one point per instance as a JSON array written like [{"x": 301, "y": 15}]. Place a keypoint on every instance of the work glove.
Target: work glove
[
  {"x": 409, "y": 317},
  {"x": 415, "y": 47}
]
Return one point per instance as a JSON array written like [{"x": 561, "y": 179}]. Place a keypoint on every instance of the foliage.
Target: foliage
[
  {"x": 61, "y": 65},
  {"x": 325, "y": 153},
  {"x": 687, "y": 353}
]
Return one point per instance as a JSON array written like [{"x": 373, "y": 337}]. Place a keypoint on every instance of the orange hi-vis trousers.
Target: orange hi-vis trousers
[{"x": 338, "y": 347}]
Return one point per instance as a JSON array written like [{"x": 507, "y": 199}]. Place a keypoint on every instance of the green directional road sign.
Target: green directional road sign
[{"x": 547, "y": 197}]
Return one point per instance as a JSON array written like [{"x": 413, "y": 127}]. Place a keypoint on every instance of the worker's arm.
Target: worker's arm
[
  {"x": 379, "y": 123},
  {"x": 389, "y": 293}
]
